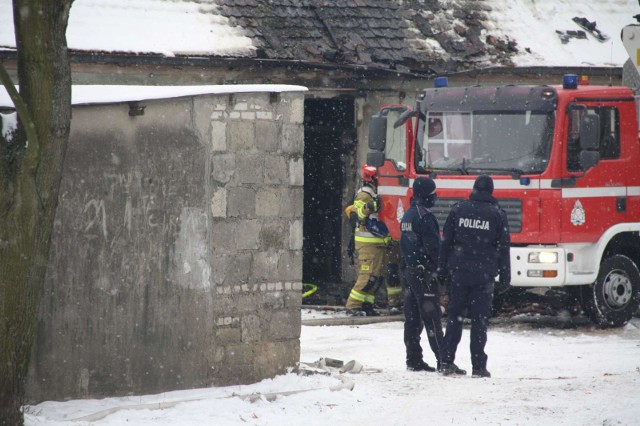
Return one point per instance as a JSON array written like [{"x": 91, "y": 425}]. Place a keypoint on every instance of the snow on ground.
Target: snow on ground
[{"x": 541, "y": 376}]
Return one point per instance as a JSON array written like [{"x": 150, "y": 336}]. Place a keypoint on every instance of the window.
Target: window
[
  {"x": 496, "y": 141},
  {"x": 396, "y": 146},
  {"x": 448, "y": 137},
  {"x": 609, "y": 147}
]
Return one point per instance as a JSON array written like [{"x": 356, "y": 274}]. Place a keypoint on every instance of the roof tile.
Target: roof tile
[{"x": 387, "y": 32}]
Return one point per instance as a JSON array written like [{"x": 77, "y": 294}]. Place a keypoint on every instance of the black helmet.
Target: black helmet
[
  {"x": 423, "y": 187},
  {"x": 483, "y": 183}
]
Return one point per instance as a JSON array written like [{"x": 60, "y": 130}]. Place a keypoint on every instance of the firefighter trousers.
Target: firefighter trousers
[{"x": 371, "y": 261}]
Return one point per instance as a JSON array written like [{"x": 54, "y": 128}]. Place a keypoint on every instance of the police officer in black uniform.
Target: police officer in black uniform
[
  {"x": 475, "y": 248},
  {"x": 420, "y": 244}
]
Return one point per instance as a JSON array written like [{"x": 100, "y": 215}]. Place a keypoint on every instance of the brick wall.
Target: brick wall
[{"x": 176, "y": 258}]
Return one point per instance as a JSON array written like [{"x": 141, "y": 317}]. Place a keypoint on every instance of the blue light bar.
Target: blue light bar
[
  {"x": 570, "y": 81},
  {"x": 441, "y": 82},
  {"x": 525, "y": 181}
]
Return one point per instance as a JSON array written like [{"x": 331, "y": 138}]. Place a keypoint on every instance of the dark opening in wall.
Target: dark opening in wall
[{"x": 329, "y": 149}]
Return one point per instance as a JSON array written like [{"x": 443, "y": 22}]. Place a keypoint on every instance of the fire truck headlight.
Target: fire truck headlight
[{"x": 543, "y": 257}]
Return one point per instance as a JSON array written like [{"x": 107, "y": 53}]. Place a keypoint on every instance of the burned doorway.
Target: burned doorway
[{"x": 329, "y": 151}]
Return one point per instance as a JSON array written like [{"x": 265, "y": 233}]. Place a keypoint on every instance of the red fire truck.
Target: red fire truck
[{"x": 565, "y": 160}]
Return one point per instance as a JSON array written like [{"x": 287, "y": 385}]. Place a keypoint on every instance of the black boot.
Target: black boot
[
  {"x": 369, "y": 311},
  {"x": 480, "y": 373},
  {"x": 449, "y": 368},
  {"x": 419, "y": 366}
]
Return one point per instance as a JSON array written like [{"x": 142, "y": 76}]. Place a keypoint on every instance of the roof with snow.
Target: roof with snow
[
  {"x": 99, "y": 94},
  {"x": 417, "y": 35}
]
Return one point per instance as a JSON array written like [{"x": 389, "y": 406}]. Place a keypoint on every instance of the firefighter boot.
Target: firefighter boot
[{"x": 368, "y": 310}]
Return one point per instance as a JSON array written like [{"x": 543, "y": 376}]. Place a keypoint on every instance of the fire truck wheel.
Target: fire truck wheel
[{"x": 612, "y": 300}]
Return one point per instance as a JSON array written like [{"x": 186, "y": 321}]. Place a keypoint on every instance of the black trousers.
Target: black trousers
[
  {"x": 471, "y": 295},
  {"x": 421, "y": 311}
]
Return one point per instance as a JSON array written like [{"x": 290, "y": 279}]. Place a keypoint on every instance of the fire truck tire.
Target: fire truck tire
[{"x": 613, "y": 299}]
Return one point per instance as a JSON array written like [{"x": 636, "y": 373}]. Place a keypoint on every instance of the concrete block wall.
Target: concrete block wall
[{"x": 176, "y": 257}]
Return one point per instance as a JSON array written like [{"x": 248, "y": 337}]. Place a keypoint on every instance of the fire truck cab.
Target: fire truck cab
[{"x": 565, "y": 163}]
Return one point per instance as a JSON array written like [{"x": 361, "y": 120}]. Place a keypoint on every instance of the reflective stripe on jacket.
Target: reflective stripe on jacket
[{"x": 364, "y": 236}]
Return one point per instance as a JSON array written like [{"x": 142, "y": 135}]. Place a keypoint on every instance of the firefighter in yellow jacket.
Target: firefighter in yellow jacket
[{"x": 373, "y": 245}]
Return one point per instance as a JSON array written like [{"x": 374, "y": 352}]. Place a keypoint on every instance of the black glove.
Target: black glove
[{"x": 373, "y": 206}]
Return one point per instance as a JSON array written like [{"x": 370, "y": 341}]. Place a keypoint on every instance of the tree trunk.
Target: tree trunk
[{"x": 30, "y": 174}]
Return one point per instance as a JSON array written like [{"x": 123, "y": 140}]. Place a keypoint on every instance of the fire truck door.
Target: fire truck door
[
  {"x": 594, "y": 200},
  {"x": 393, "y": 178}
]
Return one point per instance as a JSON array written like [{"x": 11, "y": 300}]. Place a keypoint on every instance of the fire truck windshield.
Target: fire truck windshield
[{"x": 496, "y": 141}]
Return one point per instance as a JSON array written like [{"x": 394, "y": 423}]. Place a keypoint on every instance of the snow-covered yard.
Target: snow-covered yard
[{"x": 541, "y": 376}]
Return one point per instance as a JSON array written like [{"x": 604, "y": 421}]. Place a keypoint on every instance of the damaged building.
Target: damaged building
[{"x": 351, "y": 55}]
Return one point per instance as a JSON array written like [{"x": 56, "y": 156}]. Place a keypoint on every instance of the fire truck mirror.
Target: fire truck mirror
[
  {"x": 590, "y": 132},
  {"x": 375, "y": 159},
  {"x": 589, "y": 159},
  {"x": 377, "y": 133}
]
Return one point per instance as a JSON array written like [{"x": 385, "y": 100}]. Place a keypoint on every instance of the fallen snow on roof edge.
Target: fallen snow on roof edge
[
  {"x": 101, "y": 94},
  {"x": 540, "y": 26}
]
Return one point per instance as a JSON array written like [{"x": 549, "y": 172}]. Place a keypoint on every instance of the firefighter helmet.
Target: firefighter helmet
[{"x": 368, "y": 173}]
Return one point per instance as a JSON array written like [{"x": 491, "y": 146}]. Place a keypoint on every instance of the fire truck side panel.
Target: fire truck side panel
[
  {"x": 631, "y": 154},
  {"x": 396, "y": 198},
  {"x": 549, "y": 211},
  {"x": 393, "y": 182},
  {"x": 598, "y": 200}
]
